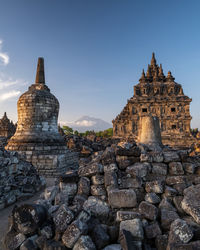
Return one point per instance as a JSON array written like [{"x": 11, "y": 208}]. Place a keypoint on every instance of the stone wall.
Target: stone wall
[{"x": 126, "y": 197}]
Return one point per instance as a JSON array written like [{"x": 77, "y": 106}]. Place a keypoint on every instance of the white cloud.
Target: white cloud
[
  {"x": 3, "y": 55},
  {"x": 85, "y": 123},
  {"x": 8, "y": 95}
]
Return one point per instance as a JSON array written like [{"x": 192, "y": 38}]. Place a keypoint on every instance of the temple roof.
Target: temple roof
[{"x": 155, "y": 73}]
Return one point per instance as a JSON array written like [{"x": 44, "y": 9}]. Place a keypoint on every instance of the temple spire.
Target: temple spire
[
  {"x": 170, "y": 77},
  {"x": 149, "y": 74},
  {"x": 160, "y": 73},
  {"x": 143, "y": 77},
  {"x": 40, "y": 78},
  {"x": 153, "y": 59}
]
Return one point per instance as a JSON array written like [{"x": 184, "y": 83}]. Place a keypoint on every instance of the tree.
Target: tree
[{"x": 67, "y": 130}]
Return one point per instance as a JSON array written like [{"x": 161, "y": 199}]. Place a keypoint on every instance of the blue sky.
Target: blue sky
[{"x": 95, "y": 51}]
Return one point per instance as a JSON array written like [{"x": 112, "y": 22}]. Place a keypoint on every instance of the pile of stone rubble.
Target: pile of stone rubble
[
  {"x": 87, "y": 145},
  {"x": 18, "y": 178},
  {"x": 125, "y": 197}
]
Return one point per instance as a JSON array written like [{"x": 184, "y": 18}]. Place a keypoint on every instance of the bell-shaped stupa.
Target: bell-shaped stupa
[{"x": 37, "y": 135}]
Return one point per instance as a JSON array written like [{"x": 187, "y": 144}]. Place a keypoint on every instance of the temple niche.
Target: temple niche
[{"x": 161, "y": 96}]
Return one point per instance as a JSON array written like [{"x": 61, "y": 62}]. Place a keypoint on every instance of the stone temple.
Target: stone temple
[
  {"x": 37, "y": 136},
  {"x": 7, "y": 128},
  {"x": 160, "y": 96}
]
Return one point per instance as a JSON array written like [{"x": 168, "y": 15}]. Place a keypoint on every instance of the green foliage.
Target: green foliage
[
  {"x": 67, "y": 130},
  {"x": 105, "y": 134}
]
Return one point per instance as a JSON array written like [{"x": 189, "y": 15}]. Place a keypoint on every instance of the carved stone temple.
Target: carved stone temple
[
  {"x": 37, "y": 136},
  {"x": 160, "y": 96},
  {"x": 7, "y": 128}
]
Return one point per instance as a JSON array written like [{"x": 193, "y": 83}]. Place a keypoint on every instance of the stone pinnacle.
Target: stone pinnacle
[{"x": 40, "y": 78}]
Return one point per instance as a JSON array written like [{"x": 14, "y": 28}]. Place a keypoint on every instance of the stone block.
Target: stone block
[
  {"x": 97, "y": 180},
  {"x": 139, "y": 169},
  {"x": 84, "y": 243},
  {"x": 152, "y": 198},
  {"x": 84, "y": 186},
  {"x": 98, "y": 190},
  {"x": 90, "y": 170},
  {"x": 180, "y": 232},
  {"x": 167, "y": 217},
  {"x": 122, "y": 198},
  {"x": 176, "y": 168},
  {"x": 154, "y": 187},
  {"x": 127, "y": 215},
  {"x": 152, "y": 230},
  {"x": 97, "y": 207},
  {"x": 159, "y": 168},
  {"x": 73, "y": 232},
  {"x": 134, "y": 227},
  {"x": 148, "y": 210},
  {"x": 62, "y": 218}
]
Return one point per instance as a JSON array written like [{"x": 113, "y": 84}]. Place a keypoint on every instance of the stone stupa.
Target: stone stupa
[{"x": 37, "y": 136}]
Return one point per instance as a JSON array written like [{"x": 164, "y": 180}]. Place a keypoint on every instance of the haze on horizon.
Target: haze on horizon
[{"x": 95, "y": 51}]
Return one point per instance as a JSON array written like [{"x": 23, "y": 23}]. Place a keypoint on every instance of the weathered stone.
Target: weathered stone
[
  {"x": 100, "y": 236},
  {"x": 108, "y": 156},
  {"x": 53, "y": 245},
  {"x": 127, "y": 215},
  {"x": 154, "y": 187},
  {"x": 159, "y": 168},
  {"x": 170, "y": 156},
  {"x": 47, "y": 232},
  {"x": 134, "y": 227},
  {"x": 84, "y": 243},
  {"x": 129, "y": 182},
  {"x": 62, "y": 218},
  {"x": 70, "y": 188},
  {"x": 125, "y": 161},
  {"x": 98, "y": 190},
  {"x": 166, "y": 204},
  {"x": 84, "y": 186},
  {"x": 113, "y": 247},
  {"x": 180, "y": 232},
  {"x": 28, "y": 244},
  {"x": 98, "y": 180},
  {"x": 176, "y": 168},
  {"x": 13, "y": 240},
  {"x": 189, "y": 167},
  {"x": 167, "y": 217},
  {"x": 50, "y": 193},
  {"x": 177, "y": 202},
  {"x": 127, "y": 149},
  {"x": 122, "y": 198},
  {"x": 152, "y": 230},
  {"x": 148, "y": 210},
  {"x": 90, "y": 170},
  {"x": 152, "y": 198},
  {"x": 191, "y": 202},
  {"x": 73, "y": 232},
  {"x": 128, "y": 242},
  {"x": 110, "y": 179},
  {"x": 28, "y": 217},
  {"x": 97, "y": 207},
  {"x": 139, "y": 169},
  {"x": 172, "y": 180},
  {"x": 170, "y": 192},
  {"x": 161, "y": 242}
]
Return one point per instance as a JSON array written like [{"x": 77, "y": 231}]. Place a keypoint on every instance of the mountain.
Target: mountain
[{"x": 88, "y": 123}]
